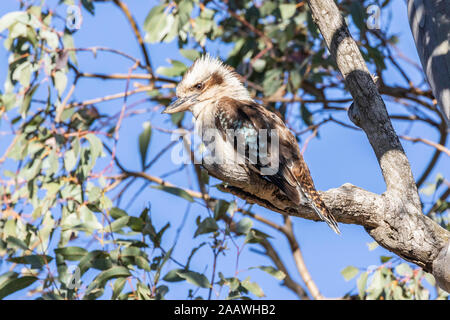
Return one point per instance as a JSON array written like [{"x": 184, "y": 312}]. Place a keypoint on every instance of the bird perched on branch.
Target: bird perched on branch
[{"x": 219, "y": 101}]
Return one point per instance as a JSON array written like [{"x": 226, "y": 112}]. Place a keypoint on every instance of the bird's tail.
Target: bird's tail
[
  {"x": 326, "y": 216},
  {"x": 322, "y": 211}
]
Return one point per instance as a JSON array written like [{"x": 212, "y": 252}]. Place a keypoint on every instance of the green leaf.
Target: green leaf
[
  {"x": 114, "y": 272},
  {"x": 15, "y": 284},
  {"x": 287, "y": 10},
  {"x": 177, "y": 69},
  {"x": 117, "y": 225},
  {"x": 307, "y": 116},
  {"x": 357, "y": 12},
  {"x": 195, "y": 278},
  {"x": 60, "y": 81},
  {"x": 256, "y": 236},
  {"x": 253, "y": 287},
  {"x": 96, "y": 146},
  {"x": 69, "y": 43},
  {"x": 398, "y": 293},
  {"x": 259, "y": 65},
  {"x": 206, "y": 226},
  {"x": 51, "y": 38},
  {"x": 277, "y": 274},
  {"x": 376, "y": 285},
  {"x": 184, "y": 11},
  {"x": 404, "y": 270},
  {"x": 27, "y": 101},
  {"x": 244, "y": 226},
  {"x": 72, "y": 253},
  {"x": 118, "y": 287},
  {"x": 430, "y": 279},
  {"x": 144, "y": 142},
  {"x": 117, "y": 213},
  {"x": 385, "y": 259},
  {"x": 143, "y": 291},
  {"x": 70, "y": 160},
  {"x": 136, "y": 224},
  {"x": 35, "y": 261},
  {"x": 361, "y": 284},
  {"x": 175, "y": 191},
  {"x": 155, "y": 11},
  {"x": 191, "y": 255},
  {"x": 89, "y": 6},
  {"x": 10, "y": 18},
  {"x": 372, "y": 245},
  {"x": 429, "y": 189},
  {"x": 161, "y": 265},
  {"x": 156, "y": 24},
  {"x": 17, "y": 242},
  {"x": 89, "y": 219},
  {"x": 160, "y": 292},
  {"x": 7, "y": 276},
  {"x": 177, "y": 117},
  {"x": 220, "y": 208},
  {"x": 173, "y": 28},
  {"x": 172, "y": 275},
  {"x": 96, "y": 259},
  {"x": 272, "y": 81},
  {"x": 96, "y": 287},
  {"x": 349, "y": 272},
  {"x": 23, "y": 73},
  {"x": 94, "y": 194},
  {"x": 296, "y": 78},
  {"x": 190, "y": 54},
  {"x": 142, "y": 263}
]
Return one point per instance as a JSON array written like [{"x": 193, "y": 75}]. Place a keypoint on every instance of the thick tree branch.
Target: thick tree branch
[
  {"x": 402, "y": 229},
  {"x": 394, "y": 219}
]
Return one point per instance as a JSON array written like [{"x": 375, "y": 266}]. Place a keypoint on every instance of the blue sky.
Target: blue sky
[{"x": 339, "y": 156}]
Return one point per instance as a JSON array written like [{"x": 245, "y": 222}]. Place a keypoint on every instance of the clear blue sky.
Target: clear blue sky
[{"x": 339, "y": 156}]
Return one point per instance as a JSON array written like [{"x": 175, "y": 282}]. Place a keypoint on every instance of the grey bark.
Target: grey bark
[
  {"x": 394, "y": 219},
  {"x": 430, "y": 25}
]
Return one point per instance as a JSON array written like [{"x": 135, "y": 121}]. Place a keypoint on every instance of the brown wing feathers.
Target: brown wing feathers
[{"x": 293, "y": 176}]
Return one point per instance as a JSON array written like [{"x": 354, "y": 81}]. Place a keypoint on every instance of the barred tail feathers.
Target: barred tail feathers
[
  {"x": 327, "y": 217},
  {"x": 321, "y": 210}
]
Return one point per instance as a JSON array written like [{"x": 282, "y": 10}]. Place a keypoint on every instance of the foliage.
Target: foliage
[{"x": 60, "y": 173}]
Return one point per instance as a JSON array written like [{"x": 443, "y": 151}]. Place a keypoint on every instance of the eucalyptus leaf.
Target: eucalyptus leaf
[
  {"x": 71, "y": 253},
  {"x": 361, "y": 284},
  {"x": 277, "y": 274},
  {"x": 190, "y": 54},
  {"x": 175, "y": 191},
  {"x": 349, "y": 272},
  {"x": 195, "y": 278},
  {"x": 144, "y": 142},
  {"x": 287, "y": 10},
  {"x": 404, "y": 270},
  {"x": 244, "y": 226},
  {"x": 15, "y": 284},
  {"x": 253, "y": 287},
  {"x": 208, "y": 225}
]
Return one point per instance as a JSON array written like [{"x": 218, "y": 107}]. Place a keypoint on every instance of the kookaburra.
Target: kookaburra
[{"x": 218, "y": 100}]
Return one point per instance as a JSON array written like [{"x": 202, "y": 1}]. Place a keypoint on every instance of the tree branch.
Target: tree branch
[
  {"x": 394, "y": 219},
  {"x": 137, "y": 33}
]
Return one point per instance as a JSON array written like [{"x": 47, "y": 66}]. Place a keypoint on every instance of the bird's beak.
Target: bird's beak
[{"x": 181, "y": 104}]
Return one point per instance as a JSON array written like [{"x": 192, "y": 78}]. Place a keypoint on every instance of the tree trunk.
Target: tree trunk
[{"x": 430, "y": 25}]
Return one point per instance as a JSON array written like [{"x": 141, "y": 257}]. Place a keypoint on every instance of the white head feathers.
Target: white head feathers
[{"x": 216, "y": 76}]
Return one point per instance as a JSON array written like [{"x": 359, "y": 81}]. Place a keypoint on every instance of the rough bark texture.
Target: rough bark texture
[
  {"x": 394, "y": 219},
  {"x": 430, "y": 25}
]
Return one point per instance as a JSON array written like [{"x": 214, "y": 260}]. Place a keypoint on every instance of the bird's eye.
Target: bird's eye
[{"x": 199, "y": 86}]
